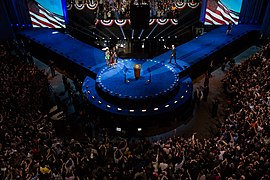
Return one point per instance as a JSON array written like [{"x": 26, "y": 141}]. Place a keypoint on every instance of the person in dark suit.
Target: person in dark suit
[
  {"x": 229, "y": 30},
  {"x": 173, "y": 55}
]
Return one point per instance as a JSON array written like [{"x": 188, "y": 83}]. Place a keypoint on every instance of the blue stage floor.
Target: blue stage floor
[
  {"x": 92, "y": 58},
  {"x": 101, "y": 91}
]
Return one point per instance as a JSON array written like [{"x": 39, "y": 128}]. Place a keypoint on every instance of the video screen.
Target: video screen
[
  {"x": 46, "y": 13},
  {"x": 221, "y": 12}
]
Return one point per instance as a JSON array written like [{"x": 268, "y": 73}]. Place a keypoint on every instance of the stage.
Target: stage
[{"x": 162, "y": 88}]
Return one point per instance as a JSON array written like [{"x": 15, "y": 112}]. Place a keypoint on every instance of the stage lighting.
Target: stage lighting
[
  {"x": 108, "y": 106},
  {"x": 143, "y": 110},
  {"x": 182, "y": 97},
  {"x": 119, "y": 109},
  {"x": 118, "y": 129},
  {"x": 99, "y": 102},
  {"x": 55, "y": 32},
  {"x": 167, "y": 105},
  {"x": 131, "y": 110},
  {"x": 175, "y": 102},
  {"x": 88, "y": 92},
  {"x": 186, "y": 91},
  {"x": 93, "y": 97},
  {"x": 139, "y": 129},
  {"x": 155, "y": 109}
]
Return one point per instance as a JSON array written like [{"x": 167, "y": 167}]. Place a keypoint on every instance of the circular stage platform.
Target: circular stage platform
[
  {"x": 158, "y": 90},
  {"x": 156, "y": 82}
]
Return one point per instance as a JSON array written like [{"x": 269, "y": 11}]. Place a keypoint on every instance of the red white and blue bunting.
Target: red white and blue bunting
[
  {"x": 91, "y": 6},
  {"x": 162, "y": 21},
  {"x": 122, "y": 22},
  {"x": 107, "y": 22},
  {"x": 79, "y": 6},
  {"x": 151, "y": 22},
  {"x": 193, "y": 5},
  {"x": 69, "y": 7},
  {"x": 174, "y": 21},
  {"x": 180, "y": 5}
]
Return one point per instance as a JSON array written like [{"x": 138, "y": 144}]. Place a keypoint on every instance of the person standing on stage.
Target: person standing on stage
[
  {"x": 107, "y": 56},
  {"x": 116, "y": 50},
  {"x": 229, "y": 30},
  {"x": 173, "y": 55}
]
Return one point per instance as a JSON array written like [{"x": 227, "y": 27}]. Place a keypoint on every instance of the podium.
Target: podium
[{"x": 137, "y": 70}]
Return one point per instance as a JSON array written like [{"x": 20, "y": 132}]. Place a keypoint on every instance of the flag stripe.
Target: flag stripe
[
  {"x": 50, "y": 14},
  {"x": 44, "y": 18},
  {"x": 44, "y": 21},
  {"x": 50, "y": 18},
  {"x": 220, "y": 15},
  {"x": 212, "y": 20},
  {"x": 40, "y": 21}
]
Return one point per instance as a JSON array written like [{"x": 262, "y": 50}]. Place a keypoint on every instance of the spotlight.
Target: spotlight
[
  {"x": 139, "y": 129},
  {"x": 143, "y": 110},
  {"x": 131, "y": 110},
  {"x": 175, "y": 102},
  {"x": 167, "y": 105},
  {"x": 155, "y": 109},
  {"x": 93, "y": 97},
  {"x": 119, "y": 109},
  {"x": 118, "y": 129},
  {"x": 99, "y": 102},
  {"x": 182, "y": 97},
  {"x": 108, "y": 106}
]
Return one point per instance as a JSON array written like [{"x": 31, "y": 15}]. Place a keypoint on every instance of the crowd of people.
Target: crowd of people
[{"x": 30, "y": 149}]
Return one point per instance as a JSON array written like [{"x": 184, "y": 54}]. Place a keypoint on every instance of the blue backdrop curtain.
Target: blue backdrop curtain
[
  {"x": 17, "y": 12},
  {"x": 6, "y": 32},
  {"x": 252, "y": 11},
  {"x": 266, "y": 22}
]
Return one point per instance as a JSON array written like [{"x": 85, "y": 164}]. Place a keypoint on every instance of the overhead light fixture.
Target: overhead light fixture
[
  {"x": 175, "y": 102},
  {"x": 118, "y": 129},
  {"x": 155, "y": 109},
  {"x": 167, "y": 105},
  {"x": 143, "y": 110},
  {"x": 139, "y": 129},
  {"x": 119, "y": 109},
  {"x": 131, "y": 110}
]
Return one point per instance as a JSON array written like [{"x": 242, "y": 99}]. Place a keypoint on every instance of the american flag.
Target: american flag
[
  {"x": 41, "y": 17},
  {"x": 219, "y": 14}
]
